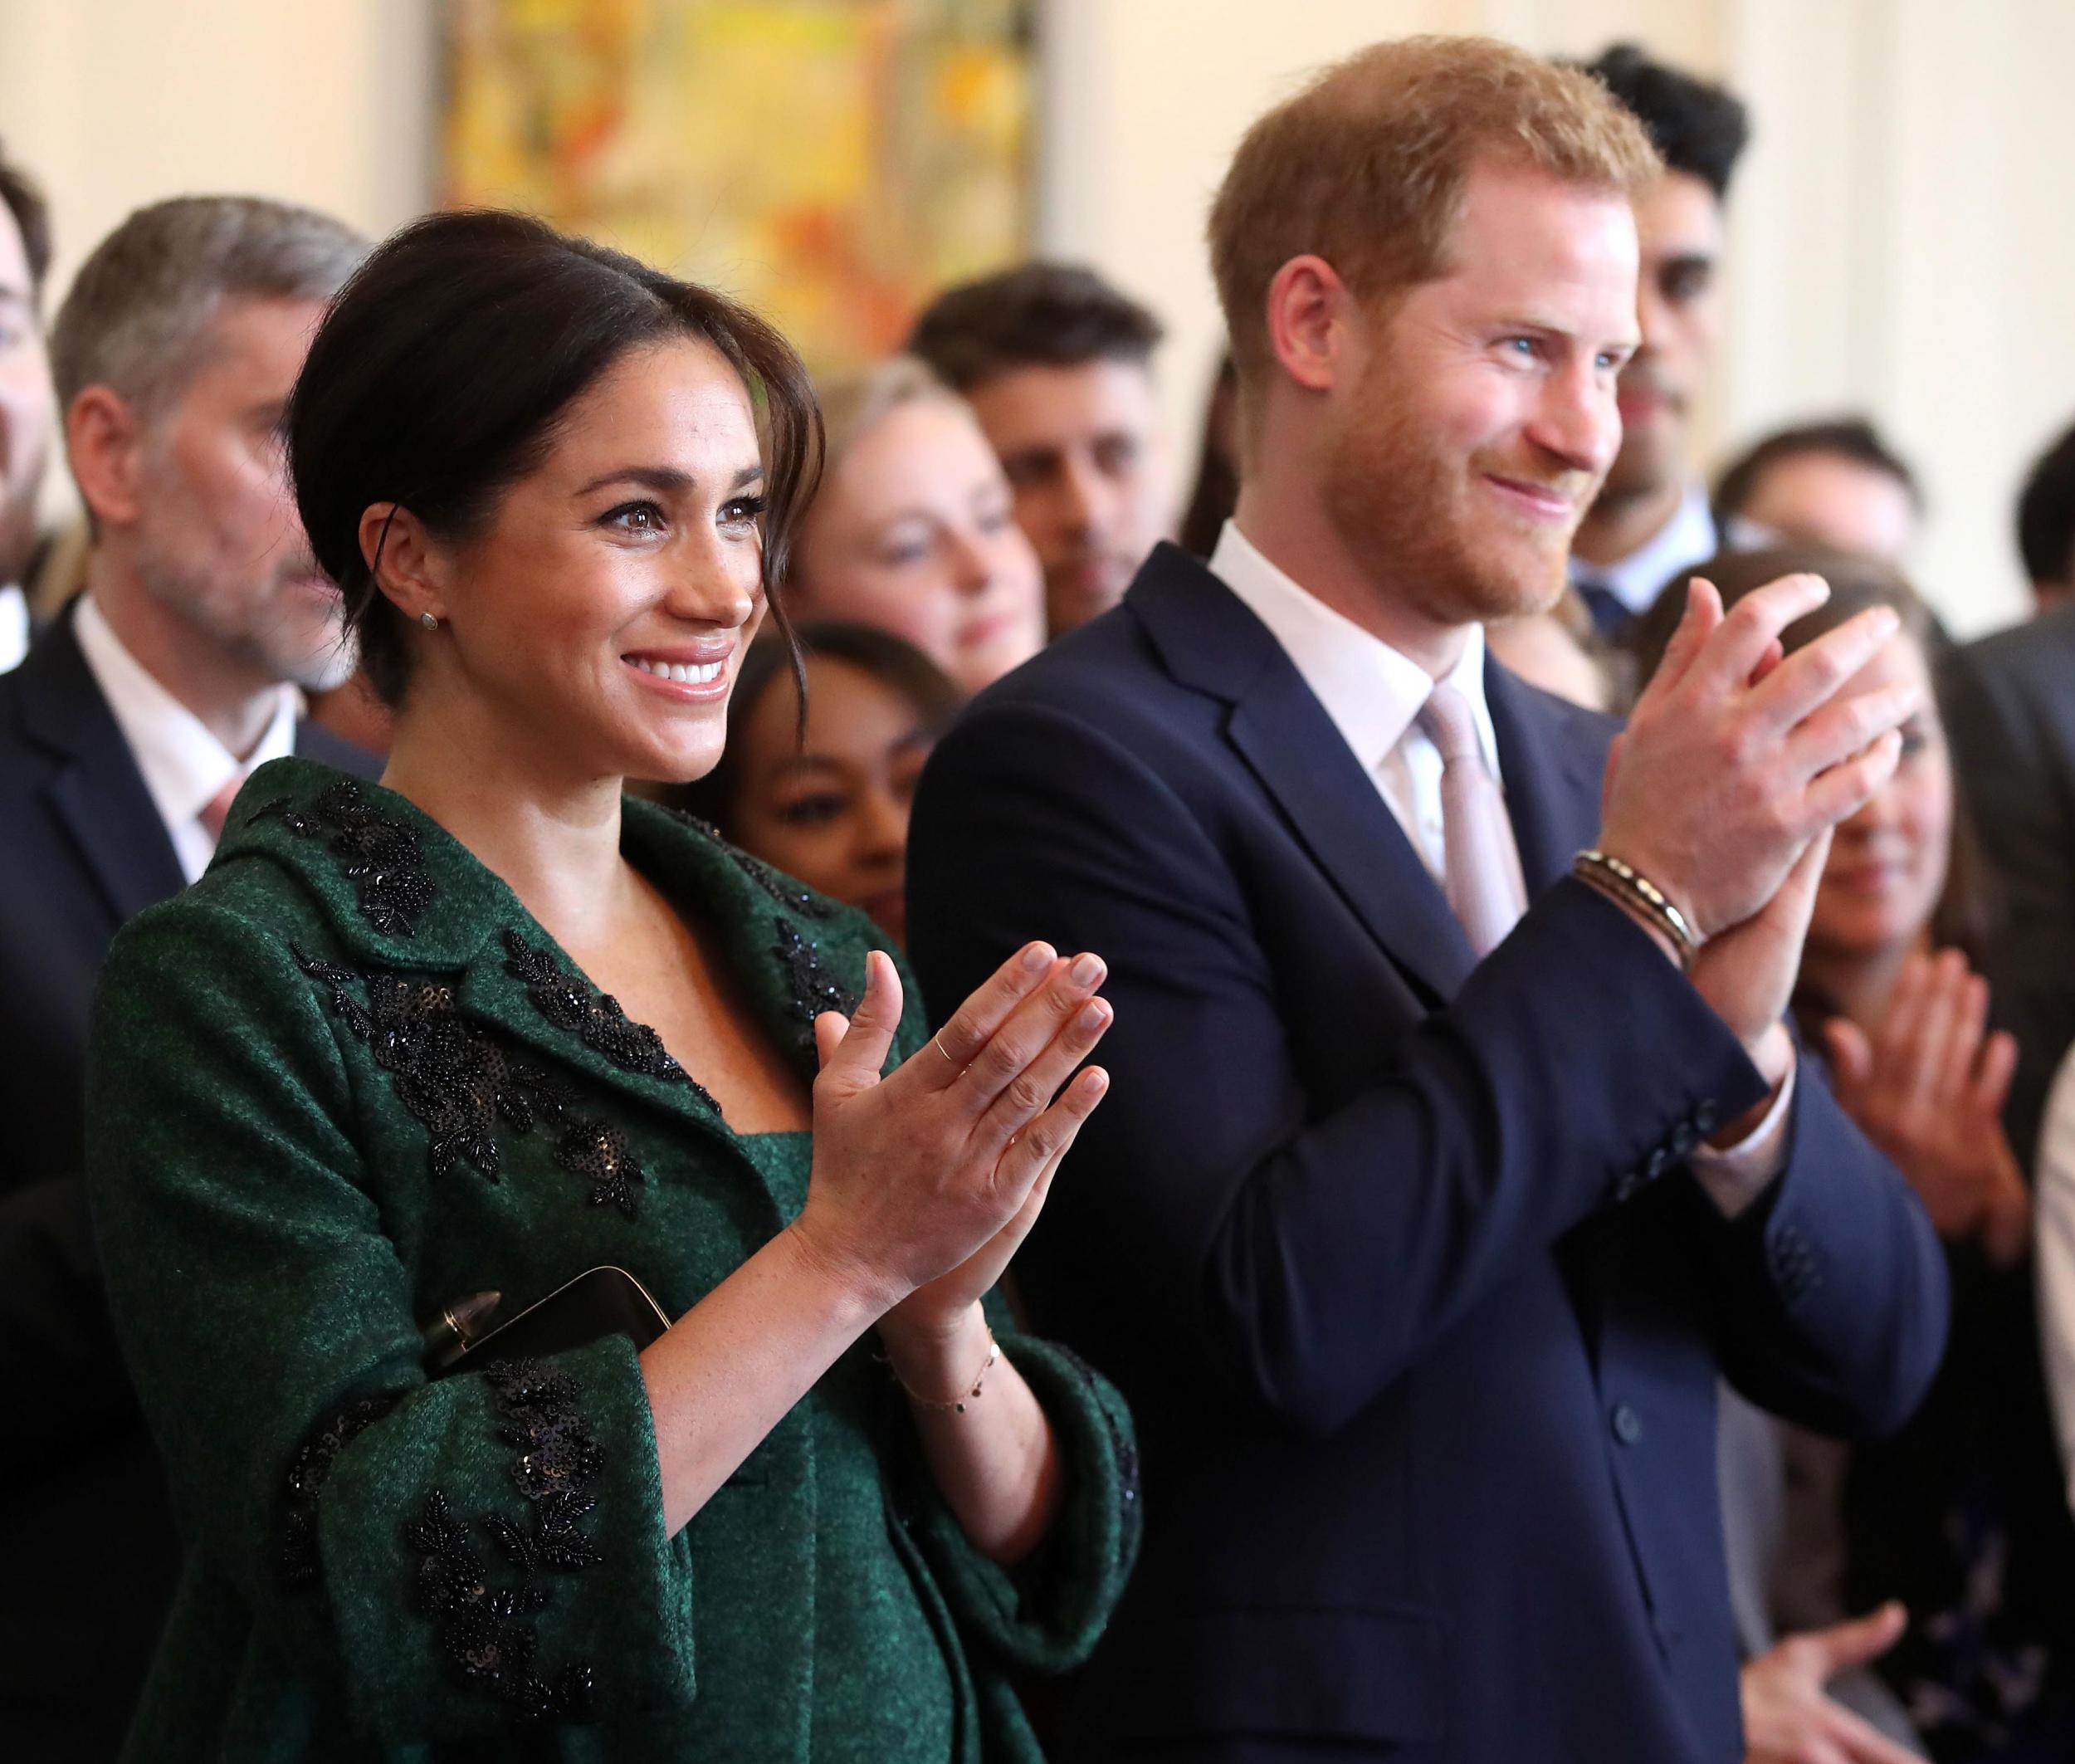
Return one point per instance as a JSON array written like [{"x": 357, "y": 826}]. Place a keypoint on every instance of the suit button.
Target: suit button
[
  {"x": 1627, "y": 1424},
  {"x": 1684, "y": 1139},
  {"x": 1658, "y": 1161},
  {"x": 1704, "y": 1117}
]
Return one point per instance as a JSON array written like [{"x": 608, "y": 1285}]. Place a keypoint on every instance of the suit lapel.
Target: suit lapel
[
  {"x": 1284, "y": 735},
  {"x": 96, "y": 791},
  {"x": 1210, "y": 639},
  {"x": 1551, "y": 756}
]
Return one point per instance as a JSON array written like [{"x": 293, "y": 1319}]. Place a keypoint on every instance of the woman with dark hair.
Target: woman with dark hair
[
  {"x": 411, "y": 1052},
  {"x": 826, "y": 797},
  {"x": 1958, "y": 1517}
]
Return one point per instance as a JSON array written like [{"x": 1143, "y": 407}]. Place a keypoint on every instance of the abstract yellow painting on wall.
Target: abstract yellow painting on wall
[{"x": 833, "y": 163}]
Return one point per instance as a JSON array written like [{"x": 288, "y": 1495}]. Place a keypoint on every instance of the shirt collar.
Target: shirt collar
[
  {"x": 185, "y": 766},
  {"x": 1636, "y": 580},
  {"x": 1371, "y": 691},
  {"x": 14, "y": 626}
]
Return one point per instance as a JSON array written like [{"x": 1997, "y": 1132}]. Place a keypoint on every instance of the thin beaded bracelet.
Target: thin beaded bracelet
[
  {"x": 957, "y": 1404},
  {"x": 1621, "y": 882}
]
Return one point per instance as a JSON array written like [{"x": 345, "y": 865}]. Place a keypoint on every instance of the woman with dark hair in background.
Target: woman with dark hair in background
[
  {"x": 829, "y": 804},
  {"x": 1958, "y": 1517},
  {"x": 489, "y": 1025}
]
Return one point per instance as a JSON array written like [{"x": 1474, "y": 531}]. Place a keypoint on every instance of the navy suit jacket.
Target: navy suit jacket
[
  {"x": 85, "y": 1529},
  {"x": 1395, "y": 1253}
]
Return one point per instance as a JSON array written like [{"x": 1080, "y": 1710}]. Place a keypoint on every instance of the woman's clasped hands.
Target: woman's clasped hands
[
  {"x": 1928, "y": 1088},
  {"x": 927, "y": 1180}
]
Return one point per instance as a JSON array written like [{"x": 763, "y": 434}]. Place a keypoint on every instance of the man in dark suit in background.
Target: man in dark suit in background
[
  {"x": 123, "y": 737},
  {"x": 1431, "y": 1197},
  {"x": 2009, "y": 706},
  {"x": 1652, "y": 519}
]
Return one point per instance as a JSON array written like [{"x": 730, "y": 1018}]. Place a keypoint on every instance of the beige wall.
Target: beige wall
[
  {"x": 115, "y": 103},
  {"x": 1901, "y": 236},
  {"x": 1903, "y": 243}
]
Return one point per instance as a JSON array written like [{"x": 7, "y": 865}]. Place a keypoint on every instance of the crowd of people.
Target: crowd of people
[{"x": 1569, "y": 1251}]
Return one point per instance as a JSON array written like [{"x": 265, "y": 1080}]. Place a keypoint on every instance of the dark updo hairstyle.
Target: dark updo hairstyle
[
  {"x": 893, "y": 661},
  {"x": 1967, "y": 912},
  {"x": 444, "y": 367}
]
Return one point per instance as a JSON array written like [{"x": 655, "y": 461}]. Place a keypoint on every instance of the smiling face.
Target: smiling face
[
  {"x": 913, "y": 532},
  {"x": 1888, "y": 863},
  {"x": 597, "y": 621},
  {"x": 834, "y": 812},
  {"x": 1679, "y": 306},
  {"x": 1482, "y": 418},
  {"x": 215, "y": 536},
  {"x": 1082, "y": 449}
]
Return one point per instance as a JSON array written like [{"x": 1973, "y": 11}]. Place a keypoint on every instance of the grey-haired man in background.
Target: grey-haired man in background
[{"x": 123, "y": 737}]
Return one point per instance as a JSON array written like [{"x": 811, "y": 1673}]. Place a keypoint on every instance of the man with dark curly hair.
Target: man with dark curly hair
[
  {"x": 1058, "y": 365},
  {"x": 1652, "y": 519}
]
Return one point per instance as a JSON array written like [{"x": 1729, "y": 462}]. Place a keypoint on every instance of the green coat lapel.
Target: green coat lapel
[
  {"x": 400, "y": 893},
  {"x": 794, "y": 952}
]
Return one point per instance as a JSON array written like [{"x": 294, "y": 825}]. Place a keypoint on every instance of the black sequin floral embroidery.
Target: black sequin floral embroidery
[
  {"x": 488, "y": 1634},
  {"x": 815, "y": 989},
  {"x": 307, "y": 1475},
  {"x": 594, "y": 1018},
  {"x": 459, "y": 1083},
  {"x": 378, "y": 854},
  {"x": 782, "y": 888}
]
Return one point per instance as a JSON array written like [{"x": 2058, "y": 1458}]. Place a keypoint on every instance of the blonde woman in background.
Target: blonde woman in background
[{"x": 914, "y": 529}]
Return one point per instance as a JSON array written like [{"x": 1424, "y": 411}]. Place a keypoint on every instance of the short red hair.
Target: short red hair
[{"x": 1365, "y": 167}]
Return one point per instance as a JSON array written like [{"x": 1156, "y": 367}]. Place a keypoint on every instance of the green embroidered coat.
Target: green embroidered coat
[{"x": 345, "y": 1079}]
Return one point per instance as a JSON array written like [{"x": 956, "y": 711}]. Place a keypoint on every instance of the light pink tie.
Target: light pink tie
[
  {"x": 216, "y": 810},
  {"x": 1483, "y": 880}
]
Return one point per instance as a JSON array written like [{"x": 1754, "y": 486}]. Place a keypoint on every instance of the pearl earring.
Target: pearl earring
[{"x": 427, "y": 620}]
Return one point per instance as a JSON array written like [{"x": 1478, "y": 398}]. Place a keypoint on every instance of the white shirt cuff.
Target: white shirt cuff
[{"x": 1735, "y": 1175}]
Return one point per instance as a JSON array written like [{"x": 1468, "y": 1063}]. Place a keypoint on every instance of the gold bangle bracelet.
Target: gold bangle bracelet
[{"x": 1623, "y": 882}]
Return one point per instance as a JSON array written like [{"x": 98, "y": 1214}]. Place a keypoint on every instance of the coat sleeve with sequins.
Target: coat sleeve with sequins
[
  {"x": 441, "y": 1560},
  {"x": 1046, "y": 1614}
]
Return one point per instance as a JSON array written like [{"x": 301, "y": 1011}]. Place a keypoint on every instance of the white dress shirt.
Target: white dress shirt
[
  {"x": 1374, "y": 694},
  {"x": 1636, "y": 580},
  {"x": 14, "y": 628},
  {"x": 183, "y": 764}
]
